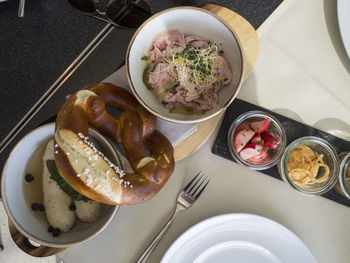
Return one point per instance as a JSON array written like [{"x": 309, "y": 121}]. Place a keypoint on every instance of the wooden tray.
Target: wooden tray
[{"x": 250, "y": 42}]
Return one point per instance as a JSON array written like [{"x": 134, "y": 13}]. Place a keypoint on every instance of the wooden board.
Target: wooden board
[{"x": 250, "y": 43}]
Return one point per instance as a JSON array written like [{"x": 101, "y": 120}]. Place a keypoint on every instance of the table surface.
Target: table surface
[
  {"x": 302, "y": 73},
  {"x": 36, "y": 49}
]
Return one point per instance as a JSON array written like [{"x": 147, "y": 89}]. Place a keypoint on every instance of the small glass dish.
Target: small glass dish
[
  {"x": 275, "y": 128},
  {"x": 344, "y": 175},
  {"x": 330, "y": 158}
]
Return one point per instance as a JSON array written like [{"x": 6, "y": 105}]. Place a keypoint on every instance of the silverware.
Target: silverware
[
  {"x": 21, "y": 8},
  {"x": 128, "y": 14},
  {"x": 186, "y": 198}
]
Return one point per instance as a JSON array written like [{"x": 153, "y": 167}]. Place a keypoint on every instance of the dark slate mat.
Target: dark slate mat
[{"x": 293, "y": 130}]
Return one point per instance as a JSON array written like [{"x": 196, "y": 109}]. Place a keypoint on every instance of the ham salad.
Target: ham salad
[{"x": 185, "y": 72}]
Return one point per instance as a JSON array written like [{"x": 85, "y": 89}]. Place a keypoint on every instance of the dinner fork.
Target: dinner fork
[{"x": 185, "y": 200}]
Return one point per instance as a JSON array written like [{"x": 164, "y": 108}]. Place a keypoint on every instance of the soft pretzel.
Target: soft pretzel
[{"x": 87, "y": 170}]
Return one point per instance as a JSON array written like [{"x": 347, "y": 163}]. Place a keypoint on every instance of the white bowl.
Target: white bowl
[
  {"x": 29, "y": 151},
  {"x": 189, "y": 20}
]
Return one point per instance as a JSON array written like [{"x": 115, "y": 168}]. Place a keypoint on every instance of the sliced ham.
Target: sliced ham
[
  {"x": 175, "y": 85},
  {"x": 178, "y": 96},
  {"x": 204, "y": 101},
  {"x": 172, "y": 38},
  {"x": 190, "y": 38},
  {"x": 222, "y": 69},
  {"x": 156, "y": 54},
  {"x": 196, "y": 42},
  {"x": 193, "y": 91},
  {"x": 199, "y": 44}
]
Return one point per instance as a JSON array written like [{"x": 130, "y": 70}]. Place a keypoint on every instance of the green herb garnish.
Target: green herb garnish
[
  {"x": 55, "y": 176},
  {"x": 200, "y": 64},
  {"x": 184, "y": 52}
]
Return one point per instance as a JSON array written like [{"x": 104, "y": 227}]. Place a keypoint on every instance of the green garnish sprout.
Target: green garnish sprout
[{"x": 200, "y": 63}]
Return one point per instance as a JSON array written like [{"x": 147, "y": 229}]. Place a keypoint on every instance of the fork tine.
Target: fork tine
[
  {"x": 195, "y": 183},
  {"x": 192, "y": 193},
  {"x": 189, "y": 184},
  {"x": 201, "y": 191}
]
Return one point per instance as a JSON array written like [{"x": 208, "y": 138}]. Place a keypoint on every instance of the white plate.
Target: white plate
[
  {"x": 344, "y": 23},
  {"x": 239, "y": 238}
]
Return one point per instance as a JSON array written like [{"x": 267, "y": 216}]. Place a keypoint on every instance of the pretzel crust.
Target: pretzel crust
[{"x": 88, "y": 171}]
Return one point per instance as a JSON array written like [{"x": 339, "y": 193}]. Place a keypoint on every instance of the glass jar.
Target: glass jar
[
  {"x": 330, "y": 158},
  {"x": 275, "y": 128},
  {"x": 343, "y": 184}
]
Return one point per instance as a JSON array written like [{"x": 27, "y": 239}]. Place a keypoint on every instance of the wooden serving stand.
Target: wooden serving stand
[{"x": 250, "y": 43}]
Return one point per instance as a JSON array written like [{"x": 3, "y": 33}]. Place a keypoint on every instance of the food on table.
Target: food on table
[
  {"x": 270, "y": 141},
  {"x": 347, "y": 175},
  {"x": 256, "y": 138},
  {"x": 88, "y": 211},
  {"x": 250, "y": 150},
  {"x": 252, "y": 141},
  {"x": 59, "y": 198},
  {"x": 56, "y": 200},
  {"x": 28, "y": 177},
  {"x": 257, "y": 159},
  {"x": 337, "y": 187},
  {"x": 242, "y": 137},
  {"x": 306, "y": 167},
  {"x": 36, "y": 207},
  {"x": 87, "y": 170},
  {"x": 72, "y": 207},
  {"x": 56, "y": 232},
  {"x": 260, "y": 126},
  {"x": 186, "y": 72}
]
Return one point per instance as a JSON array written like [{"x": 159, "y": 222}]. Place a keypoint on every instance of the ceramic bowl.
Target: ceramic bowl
[
  {"x": 27, "y": 155},
  {"x": 189, "y": 20}
]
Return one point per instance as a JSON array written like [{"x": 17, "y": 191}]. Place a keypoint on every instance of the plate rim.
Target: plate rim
[
  {"x": 213, "y": 221},
  {"x": 341, "y": 7}
]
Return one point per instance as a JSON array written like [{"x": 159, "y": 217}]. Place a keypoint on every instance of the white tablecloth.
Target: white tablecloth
[{"x": 302, "y": 73}]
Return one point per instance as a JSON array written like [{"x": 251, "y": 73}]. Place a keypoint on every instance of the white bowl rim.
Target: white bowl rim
[
  {"x": 223, "y": 108},
  {"x": 18, "y": 226}
]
